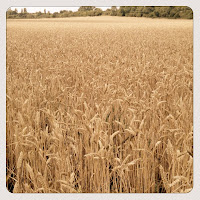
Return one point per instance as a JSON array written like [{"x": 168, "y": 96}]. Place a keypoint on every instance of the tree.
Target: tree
[
  {"x": 114, "y": 8},
  {"x": 147, "y": 9},
  {"x": 98, "y": 12},
  {"x": 114, "y": 11},
  {"x": 177, "y": 15},
  {"x": 16, "y": 11},
  {"x": 25, "y": 10},
  {"x": 48, "y": 14},
  {"x": 172, "y": 13},
  {"x": 55, "y": 14},
  {"x": 9, "y": 13},
  {"x": 130, "y": 11},
  {"x": 38, "y": 14},
  {"x": 121, "y": 11},
  {"x": 86, "y": 8},
  {"x": 156, "y": 13},
  {"x": 107, "y": 12}
]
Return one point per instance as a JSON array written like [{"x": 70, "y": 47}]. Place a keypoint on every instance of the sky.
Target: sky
[{"x": 51, "y": 9}]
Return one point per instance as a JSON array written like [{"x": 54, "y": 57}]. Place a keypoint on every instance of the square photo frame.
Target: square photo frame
[{"x": 99, "y": 131}]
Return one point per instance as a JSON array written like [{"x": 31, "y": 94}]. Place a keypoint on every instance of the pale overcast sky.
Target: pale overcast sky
[{"x": 51, "y": 9}]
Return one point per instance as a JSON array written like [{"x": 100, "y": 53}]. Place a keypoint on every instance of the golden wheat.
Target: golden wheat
[{"x": 99, "y": 104}]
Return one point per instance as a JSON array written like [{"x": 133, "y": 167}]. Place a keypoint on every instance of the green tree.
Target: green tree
[
  {"x": 177, "y": 15},
  {"x": 25, "y": 10},
  {"x": 131, "y": 11},
  {"x": 114, "y": 11},
  {"x": 98, "y": 12},
  {"x": 38, "y": 14},
  {"x": 148, "y": 9},
  {"x": 55, "y": 14},
  {"x": 122, "y": 11},
  {"x": 107, "y": 12},
  {"x": 15, "y": 11},
  {"x": 86, "y": 8}
]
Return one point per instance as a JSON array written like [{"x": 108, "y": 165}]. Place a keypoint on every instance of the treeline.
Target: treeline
[{"x": 127, "y": 11}]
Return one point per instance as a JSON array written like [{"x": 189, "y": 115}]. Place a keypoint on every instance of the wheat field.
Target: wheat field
[{"x": 99, "y": 105}]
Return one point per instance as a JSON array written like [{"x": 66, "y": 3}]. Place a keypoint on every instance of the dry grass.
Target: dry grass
[{"x": 99, "y": 105}]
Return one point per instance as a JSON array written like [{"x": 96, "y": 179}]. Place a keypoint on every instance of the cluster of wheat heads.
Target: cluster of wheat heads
[{"x": 100, "y": 105}]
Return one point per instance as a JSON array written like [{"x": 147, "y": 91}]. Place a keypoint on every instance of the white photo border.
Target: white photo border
[{"x": 194, "y": 5}]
